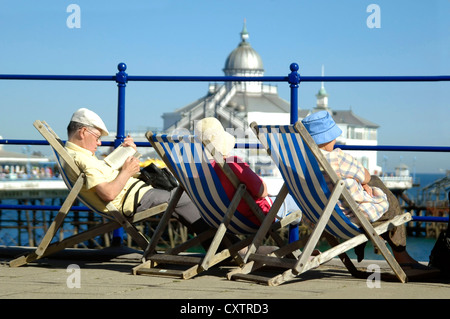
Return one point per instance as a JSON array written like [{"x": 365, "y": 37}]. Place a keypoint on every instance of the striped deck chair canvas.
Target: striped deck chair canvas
[
  {"x": 189, "y": 161},
  {"x": 187, "y": 157},
  {"x": 114, "y": 218},
  {"x": 305, "y": 172}
]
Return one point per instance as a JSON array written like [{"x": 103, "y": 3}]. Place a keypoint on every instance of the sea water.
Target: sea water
[
  {"x": 422, "y": 180},
  {"x": 11, "y": 235}
]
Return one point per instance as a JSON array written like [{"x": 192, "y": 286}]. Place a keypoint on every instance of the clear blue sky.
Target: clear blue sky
[{"x": 179, "y": 37}]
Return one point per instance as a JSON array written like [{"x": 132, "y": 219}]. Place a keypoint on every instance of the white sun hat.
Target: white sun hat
[{"x": 210, "y": 129}]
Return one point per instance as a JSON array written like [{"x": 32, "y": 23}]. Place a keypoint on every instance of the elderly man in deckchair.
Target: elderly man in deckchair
[{"x": 105, "y": 184}]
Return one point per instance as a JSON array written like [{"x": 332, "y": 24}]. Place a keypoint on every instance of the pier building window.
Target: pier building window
[
  {"x": 361, "y": 133},
  {"x": 372, "y": 134}
]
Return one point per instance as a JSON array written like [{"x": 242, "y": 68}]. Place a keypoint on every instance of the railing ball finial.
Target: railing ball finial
[
  {"x": 294, "y": 76},
  {"x": 121, "y": 67},
  {"x": 294, "y": 67},
  {"x": 121, "y": 76}
]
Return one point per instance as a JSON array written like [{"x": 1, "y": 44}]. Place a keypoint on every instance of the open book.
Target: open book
[{"x": 119, "y": 156}]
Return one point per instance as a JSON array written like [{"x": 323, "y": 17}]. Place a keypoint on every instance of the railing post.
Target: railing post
[
  {"x": 294, "y": 81},
  {"x": 121, "y": 79}
]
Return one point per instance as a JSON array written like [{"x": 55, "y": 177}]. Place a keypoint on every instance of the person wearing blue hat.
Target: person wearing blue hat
[
  {"x": 324, "y": 131},
  {"x": 374, "y": 199}
]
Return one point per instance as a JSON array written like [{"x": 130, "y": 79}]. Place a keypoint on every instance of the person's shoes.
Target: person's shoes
[
  {"x": 406, "y": 266},
  {"x": 419, "y": 272}
]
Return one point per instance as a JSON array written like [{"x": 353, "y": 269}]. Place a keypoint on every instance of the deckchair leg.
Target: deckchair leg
[
  {"x": 343, "y": 257},
  {"x": 378, "y": 242},
  {"x": 357, "y": 240},
  {"x": 151, "y": 247},
  {"x": 267, "y": 223},
  {"x": 91, "y": 233},
  {"x": 223, "y": 227},
  {"x": 197, "y": 264},
  {"x": 58, "y": 220},
  {"x": 68, "y": 242},
  {"x": 131, "y": 230},
  {"x": 267, "y": 226},
  {"x": 320, "y": 226}
]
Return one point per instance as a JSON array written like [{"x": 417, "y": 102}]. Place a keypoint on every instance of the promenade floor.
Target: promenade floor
[{"x": 106, "y": 274}]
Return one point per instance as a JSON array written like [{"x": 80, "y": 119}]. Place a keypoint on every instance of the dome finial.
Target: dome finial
[
  {"x": 244, "y": 60},
  {"x": 244, "y": 33}
]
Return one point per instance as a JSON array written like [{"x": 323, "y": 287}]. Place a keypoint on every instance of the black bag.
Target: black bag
[
  {"x": 158, "y": 178},
  {"x": 440, "y": 254}
]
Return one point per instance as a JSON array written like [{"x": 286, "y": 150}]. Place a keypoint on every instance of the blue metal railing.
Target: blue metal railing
[
  {"x": 294, "y": 79},
  {"x": 390, "y": 148}
]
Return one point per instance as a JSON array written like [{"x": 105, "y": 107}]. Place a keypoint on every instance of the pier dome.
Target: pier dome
[
  {"x": 244, "y": 60},
  {"x": 235, "y": 103}
]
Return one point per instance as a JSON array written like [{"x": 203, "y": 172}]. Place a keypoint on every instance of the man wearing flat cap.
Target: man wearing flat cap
[{"x": 105, "y": 184}]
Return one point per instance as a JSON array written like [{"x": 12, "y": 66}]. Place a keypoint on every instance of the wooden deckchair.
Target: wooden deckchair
[
  {"x": 303, "y": 168},
  {"x": 188, "y": 159},
  {"x": 115, "y": 218}
]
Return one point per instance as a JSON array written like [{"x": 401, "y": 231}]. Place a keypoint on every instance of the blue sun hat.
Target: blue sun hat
[{"x": 321, "y": 127}]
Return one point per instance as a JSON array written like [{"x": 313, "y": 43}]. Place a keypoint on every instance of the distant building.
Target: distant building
[
  {"x": 237, "y": 104},
  {"x": 15, "y": 165}
]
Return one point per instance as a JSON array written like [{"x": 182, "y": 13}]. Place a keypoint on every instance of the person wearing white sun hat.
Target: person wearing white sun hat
[{"x": 210, "y": 130}]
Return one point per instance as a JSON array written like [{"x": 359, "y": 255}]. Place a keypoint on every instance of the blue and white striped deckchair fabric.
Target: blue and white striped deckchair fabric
[
  {"x": 188, "y": 159},
  {"x": 303, "y": 176}
]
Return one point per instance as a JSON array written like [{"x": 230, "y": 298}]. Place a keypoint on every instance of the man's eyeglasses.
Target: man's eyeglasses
[{"x": 98, "y": 137}]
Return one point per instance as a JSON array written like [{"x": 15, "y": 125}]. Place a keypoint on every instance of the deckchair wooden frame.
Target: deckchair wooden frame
[
  {"x": 196, "y": 265},
  {"x": 306, "y": 261},
  {"x": 115, "y": 219}
]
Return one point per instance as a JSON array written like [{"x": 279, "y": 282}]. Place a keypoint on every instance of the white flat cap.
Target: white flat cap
[{"x": 89, "y": 118}]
